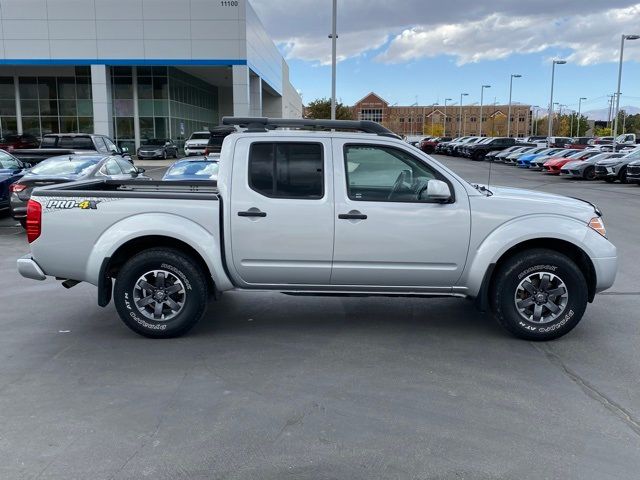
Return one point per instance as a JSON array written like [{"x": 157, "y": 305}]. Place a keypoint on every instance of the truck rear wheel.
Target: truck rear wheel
[
  {"x": 160, "y": 293},
  {"x": 539, "y": 295}
]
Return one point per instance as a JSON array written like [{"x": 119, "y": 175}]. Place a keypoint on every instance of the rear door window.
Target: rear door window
[{"x": 287, "y": 170}]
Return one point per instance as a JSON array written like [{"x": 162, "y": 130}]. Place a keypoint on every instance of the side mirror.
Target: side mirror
[
  {"x": 438, "y": 191},
  {"x": 141, "y": 170},
  {"x": 124, "y": 150}
]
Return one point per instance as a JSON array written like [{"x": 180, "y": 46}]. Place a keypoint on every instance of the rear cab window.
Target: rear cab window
[{"x": 292, "y": 170}]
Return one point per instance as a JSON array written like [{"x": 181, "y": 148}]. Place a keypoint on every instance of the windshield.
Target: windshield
[
  {"x": 8, "y": 162},
  {"x": 156, "y": 142},
  {"x": 200, "y": 136},
  {"x": 63, "y": 166},
  {"x": 10, "y": 139},
  {"x": 194, "y": 169},
  {"x": 635, "y": 154}
]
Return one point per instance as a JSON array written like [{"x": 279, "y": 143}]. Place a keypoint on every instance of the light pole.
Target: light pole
[
  {"x": 433, "y": 110},
  {"x": 553, "y": 76},
  {"x": 481, "y": 100},
  {"x": 334, "y": 39},
  {"x": 534, "y": 118},
  {"x": 513, "y": 75},
  {"x": 579, "y": 110},
  {"x": 615, "y": 128},
  {"x": 460, "y": 119},
  {"x": 444, "y": 127}
]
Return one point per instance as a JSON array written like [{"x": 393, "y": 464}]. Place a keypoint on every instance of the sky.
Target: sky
[{"x": 426, "y": 51}]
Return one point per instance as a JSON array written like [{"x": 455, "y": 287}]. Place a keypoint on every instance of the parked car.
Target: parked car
[
  {"x": 442, "y": 147},
  {"x": 217, "y": 136},
  {"x": 633, "y": 172},
  {"x": 525, "y": 161},
  {"x": 429, "y": 145},
  {"x": 537, "y": 139},
  {"x": 158, "y": 148},
  {"x": 480, "y": 150},
  {"x": 193, "y": 169},
  {"x": 68, "y": 168},
  {"x": 54, "y": 144},
  {"x": 11, "y": 170},
  {"x": 197, "y": 143},
  {"x": 587, "y": 168},
  {"x": 463, "y": 150},
  {"x": 579, "y": 143},
  {"x": 512, "y": 159},
  {"x": 18, "y": 142},
  {"x": 504, "y": 153},
  {"x": 601, "y": 141},
  {"x": 538, "y": 163},
  {"x": 291, "y": 212},
  {"x": 554, "y": 165},
  {"x": 614, "y": 169},
  {"x": 454, "y": 147},
  {"x": 558, "y": 142}
]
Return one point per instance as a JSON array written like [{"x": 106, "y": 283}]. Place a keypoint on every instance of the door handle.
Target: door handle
[
  {"x": 352, "y": 215},
  {"x": 253, "y": 212}
]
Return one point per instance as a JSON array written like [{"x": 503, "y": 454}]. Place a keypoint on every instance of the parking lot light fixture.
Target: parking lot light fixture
[
  {"x": 444, "y": 127},
  {"x": 579, "y": 110},
  {"x": 550, "y": 118},
  {"x": 513, "y": 75},
  {"x": 460, "y": 119},
  {"x": 481, "y": 102},
  {"x": 615, "y": 127}
]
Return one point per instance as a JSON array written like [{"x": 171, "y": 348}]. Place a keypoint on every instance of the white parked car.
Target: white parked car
[{"x": 197, "y": 143}]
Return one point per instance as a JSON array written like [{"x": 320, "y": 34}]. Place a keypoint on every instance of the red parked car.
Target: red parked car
[
  {"x": 428, "y": 145},
  {"x": 15, "y": 142},
  {"x": 554, "y": 165}
]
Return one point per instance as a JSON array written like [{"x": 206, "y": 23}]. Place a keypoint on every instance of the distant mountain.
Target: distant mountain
[{"x": 603, "y": 113}]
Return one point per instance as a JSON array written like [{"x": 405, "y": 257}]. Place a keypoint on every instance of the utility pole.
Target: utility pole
[
  {"x": 553, "y": 75},
  {"x": 615, "y": 129},
  {"x": 334, "y": 39},
  {"x": 513, "y": 75},
  {"x": 579, "y": 114},
  {"x": 481, "y": 101},
  {"x": 460, "y": 117},
  {"x": 444, "y": 126}
]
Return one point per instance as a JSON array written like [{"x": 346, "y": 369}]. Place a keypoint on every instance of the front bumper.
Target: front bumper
[
  {"x": 606, "y": 172},
  {"x": 28, "y": 268}
]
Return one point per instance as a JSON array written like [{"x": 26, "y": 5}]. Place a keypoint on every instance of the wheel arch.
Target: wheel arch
[
  {"x": 571, "y": 250},
  {"x": 111, "y": 265}
]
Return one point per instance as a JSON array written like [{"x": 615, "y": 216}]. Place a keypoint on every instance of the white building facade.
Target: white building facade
[{"x": 136, "y": 69}]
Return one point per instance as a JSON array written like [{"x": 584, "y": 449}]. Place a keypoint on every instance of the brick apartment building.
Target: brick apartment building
[{"x": 430, "y": 119}]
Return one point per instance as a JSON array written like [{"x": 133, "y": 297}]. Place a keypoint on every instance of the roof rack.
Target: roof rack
[{"x": 263, "y": 124}]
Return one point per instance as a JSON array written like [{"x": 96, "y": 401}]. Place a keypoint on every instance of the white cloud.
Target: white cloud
[
  {"x": 468, "y": 30},
  {"x": 592, "y": 38}
]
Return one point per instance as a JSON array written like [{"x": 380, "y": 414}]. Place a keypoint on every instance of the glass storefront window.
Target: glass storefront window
[
  {"x": 47, "y": 87},
  {"x": 7, "y": 89},
  {"x": 28, "y": 88},
  {"x": 85, "y": 124}
]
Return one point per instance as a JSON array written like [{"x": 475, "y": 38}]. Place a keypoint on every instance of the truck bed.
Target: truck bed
[{"x": 84, "y": 222}]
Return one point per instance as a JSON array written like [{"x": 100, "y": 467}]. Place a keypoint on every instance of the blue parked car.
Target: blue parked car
[
  {"x": 525, "y": 160},
  {"x": 11, "y": 170},
  {"x": 193, "y": 169}
]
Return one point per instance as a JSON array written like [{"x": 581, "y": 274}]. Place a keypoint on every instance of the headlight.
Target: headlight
[{"x": 597, "y": 224}]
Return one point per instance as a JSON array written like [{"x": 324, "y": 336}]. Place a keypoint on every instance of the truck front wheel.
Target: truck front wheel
[
  {"x": 160, "y": 293},
  {"x": 539, "y": 294}
]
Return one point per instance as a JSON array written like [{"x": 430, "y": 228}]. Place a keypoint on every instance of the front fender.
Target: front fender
[
  {"x": 522, "y": 229},
  {"x": 158, "y": 224}
]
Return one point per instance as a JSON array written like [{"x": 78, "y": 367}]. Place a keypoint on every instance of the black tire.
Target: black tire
[
  {"x": 589, "y": 173},
  {"x": 478, "y": 156},
  {"x": 23, "y": 223},
  {"x": 530, "y": 264},
  {"x": 176, "y": 265},
  {"x": 623, "y": 175},
  {"x": 164, "y": 154}
]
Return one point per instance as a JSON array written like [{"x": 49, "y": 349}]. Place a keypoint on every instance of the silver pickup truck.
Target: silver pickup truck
[{"x": 310, "y": 210}]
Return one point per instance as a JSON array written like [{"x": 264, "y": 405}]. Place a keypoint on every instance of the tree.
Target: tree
[{"x": 320, "y": 109}]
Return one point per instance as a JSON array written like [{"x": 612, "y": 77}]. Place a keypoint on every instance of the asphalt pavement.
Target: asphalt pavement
[{"x": 275, "y": 387}]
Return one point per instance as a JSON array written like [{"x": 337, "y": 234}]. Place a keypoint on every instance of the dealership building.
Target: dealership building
[{"x": 137, "y": 69}]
